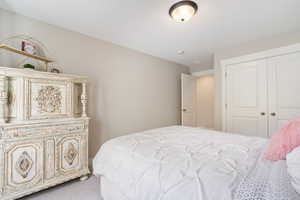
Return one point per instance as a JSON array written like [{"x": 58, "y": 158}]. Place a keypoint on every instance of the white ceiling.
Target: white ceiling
[{"x": 144, "y": 25}]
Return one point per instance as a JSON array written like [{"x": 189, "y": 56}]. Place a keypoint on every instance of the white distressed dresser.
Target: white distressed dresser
[{"x": 43, "y": 130}]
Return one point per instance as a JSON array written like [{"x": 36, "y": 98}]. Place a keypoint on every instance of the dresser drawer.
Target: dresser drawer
[
  {"x": 46, "y": 99},
  {"x": 64, "y": 156},
  {"x": 71, "y": 153},
  {"x": 23, "y": 165},
  {"x": 40, "y": 130}
]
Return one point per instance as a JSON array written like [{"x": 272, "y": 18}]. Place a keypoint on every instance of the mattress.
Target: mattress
[{"x": 175, "y": 163}]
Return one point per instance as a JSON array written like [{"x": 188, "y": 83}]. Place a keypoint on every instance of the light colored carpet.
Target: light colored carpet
[{"x": 74, "y": 190}]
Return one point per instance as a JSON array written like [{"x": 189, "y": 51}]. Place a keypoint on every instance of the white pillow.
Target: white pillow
[{"x": 293, "y": 168}]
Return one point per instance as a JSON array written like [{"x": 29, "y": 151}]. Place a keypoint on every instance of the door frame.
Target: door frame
[
  {"x": 247, "y": 58},
  {"x": 194, "y": 100},
  {"x": 210, "y": 72}
]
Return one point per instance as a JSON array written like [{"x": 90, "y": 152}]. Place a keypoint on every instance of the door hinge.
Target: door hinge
[
  {"x": 226, "y": 74},
  {"x": 226, "y": 105}
]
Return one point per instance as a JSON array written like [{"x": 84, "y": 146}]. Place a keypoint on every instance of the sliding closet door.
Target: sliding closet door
[
  {"x": 247, "y": 99},
  {"x": 284, "y": 90}
]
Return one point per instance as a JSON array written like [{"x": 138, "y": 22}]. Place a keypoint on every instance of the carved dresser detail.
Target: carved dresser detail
[{"x": 43, "y": 130}]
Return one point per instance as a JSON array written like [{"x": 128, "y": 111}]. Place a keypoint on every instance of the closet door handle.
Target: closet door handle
[
  {"x": 273, "y": 114},
  {"x": 263, "y": 113}
]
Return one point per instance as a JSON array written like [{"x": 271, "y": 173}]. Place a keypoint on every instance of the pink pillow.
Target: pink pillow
[{"x": 284, "y": 141}]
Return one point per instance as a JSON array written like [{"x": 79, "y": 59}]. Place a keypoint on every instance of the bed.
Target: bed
[{"x": 184, "y": 163}]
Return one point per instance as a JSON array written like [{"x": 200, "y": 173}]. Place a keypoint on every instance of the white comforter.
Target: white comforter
[{"x": 175, "y": 163}]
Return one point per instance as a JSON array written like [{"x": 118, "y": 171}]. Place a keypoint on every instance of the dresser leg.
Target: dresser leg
[{"x": 84, "y": 178}]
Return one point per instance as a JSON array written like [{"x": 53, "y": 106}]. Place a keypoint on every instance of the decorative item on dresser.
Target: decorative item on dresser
[
  {"x": 43, "y": 130},
  {"x": 32, "y": 49}
]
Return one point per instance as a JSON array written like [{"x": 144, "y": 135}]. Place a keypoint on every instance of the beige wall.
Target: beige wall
[
  {"x": 128, "y": 91},
  {"x": 247, "y": 48},
  {"x": 205, "y": 101}
]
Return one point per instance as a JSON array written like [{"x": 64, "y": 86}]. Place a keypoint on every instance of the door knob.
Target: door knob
[
  {"x": 262, "y": 113},
  {"x": 184, "y": 110},
  {"x": 273, "y": 114}
]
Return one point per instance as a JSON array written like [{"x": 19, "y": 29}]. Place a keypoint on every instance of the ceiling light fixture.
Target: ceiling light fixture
[{"x": 182, "y": 11}]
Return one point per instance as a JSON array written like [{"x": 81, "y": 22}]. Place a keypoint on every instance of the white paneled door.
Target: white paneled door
[
  {"x": 247, "y": 98},
  {"x": 263, "y": 95},
  {"x": 188, "y": 100},
  {"x": 284, "y": 89}
]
